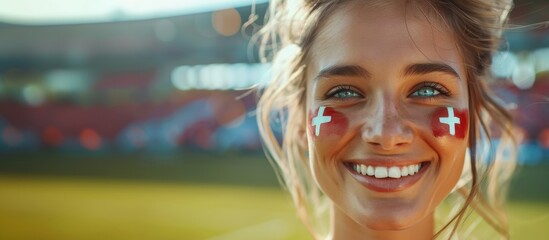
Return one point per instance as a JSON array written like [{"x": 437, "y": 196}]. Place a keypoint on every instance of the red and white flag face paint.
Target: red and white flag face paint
[
  {"x": 449, "y": 121},
  {"x": 327, "y": 121},
  {"x": 320, "y": 119}
]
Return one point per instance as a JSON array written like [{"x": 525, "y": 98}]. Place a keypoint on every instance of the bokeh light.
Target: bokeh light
[
  {"x": 33, "y": 95},
  {"x": 52, "y": 136},
  {"x": 235, "y": 76},
  {"x": 67, "y": 80},
  {"x": 90, "y": 139},
  {"x": 226, "y": 22},
  {"x": 541, "y": 57},
  {"x": 524, "y": 76},
  {"x": 504, "y": 63}
]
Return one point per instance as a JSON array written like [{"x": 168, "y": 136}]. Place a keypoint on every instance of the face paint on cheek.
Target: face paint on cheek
[
  {"x": 327, "y": 121},
  {"x": 448, "y": 121}
]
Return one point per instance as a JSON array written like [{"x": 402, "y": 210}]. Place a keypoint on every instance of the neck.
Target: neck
[{"x": 343, "y": 227}]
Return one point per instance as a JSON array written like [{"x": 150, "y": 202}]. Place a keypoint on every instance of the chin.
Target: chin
[{"x": 389, "y": 221}]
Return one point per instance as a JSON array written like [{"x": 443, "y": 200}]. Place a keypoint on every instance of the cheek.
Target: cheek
[
  {"x": 326, "y": 121},
  {"x": 449, "y": 121}
]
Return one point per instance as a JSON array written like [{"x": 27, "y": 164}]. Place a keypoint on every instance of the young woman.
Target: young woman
[{"x": 385, "y": 113}]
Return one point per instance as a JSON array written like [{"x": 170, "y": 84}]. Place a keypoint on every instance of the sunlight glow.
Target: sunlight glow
[{"x": 46, "y": 12}]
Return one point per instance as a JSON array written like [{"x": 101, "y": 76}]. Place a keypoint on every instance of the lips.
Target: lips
[{"x": 387, "y": 178}]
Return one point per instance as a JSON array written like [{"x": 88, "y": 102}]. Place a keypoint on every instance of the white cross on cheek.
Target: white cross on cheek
[
  {"x": 320, "y": 119},
  {"x": 451, "y": 120}
]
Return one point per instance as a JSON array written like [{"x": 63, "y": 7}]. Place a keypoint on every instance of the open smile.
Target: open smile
[{"x": 387, "y": 178}]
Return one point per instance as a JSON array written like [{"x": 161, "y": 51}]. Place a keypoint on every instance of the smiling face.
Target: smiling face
[{"x": 387, "y": 114}]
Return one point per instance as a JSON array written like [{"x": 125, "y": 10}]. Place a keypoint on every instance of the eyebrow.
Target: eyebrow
[
  {"x": 343, "y": 71},
  {"x": 358, "y": 71},
  {"x": 426, "y": 68}
]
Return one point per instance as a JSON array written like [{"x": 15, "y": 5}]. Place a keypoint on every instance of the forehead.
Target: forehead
[{"x": 378, "y": 34}]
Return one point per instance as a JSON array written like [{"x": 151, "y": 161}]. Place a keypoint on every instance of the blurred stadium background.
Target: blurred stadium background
[{"x": 133, "y": 120}]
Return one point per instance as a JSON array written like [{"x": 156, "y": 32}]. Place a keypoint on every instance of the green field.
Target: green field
[{"x": 183, "y": 196}]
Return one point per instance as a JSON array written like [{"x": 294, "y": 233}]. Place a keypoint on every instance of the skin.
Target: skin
[{"x": 388, "y": 116}]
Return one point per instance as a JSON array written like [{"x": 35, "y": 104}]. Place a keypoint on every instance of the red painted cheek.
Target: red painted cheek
[
  {"x": 337, "y": 125},
  {"x": 449, "y": 121}
]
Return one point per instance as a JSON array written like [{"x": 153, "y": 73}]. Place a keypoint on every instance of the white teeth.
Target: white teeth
[
  {"x": 404, "y": 171},
  {"x": 384, "y": 172},
  {"x": 411, "y": 170},
  {"x": 370, "y": 171},
  {"x": 394, "y": 172},
  {"x": 380, "y": 172},
  {"x": 363, "y": 169}
]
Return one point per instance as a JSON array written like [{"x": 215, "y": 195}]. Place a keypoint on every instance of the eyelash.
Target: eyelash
[
  {"x": 340, "y": 89},
  {"x": 431, "y": 85}
]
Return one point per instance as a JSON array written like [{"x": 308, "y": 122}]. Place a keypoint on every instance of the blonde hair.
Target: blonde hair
[{"x": 285, "y": 42}]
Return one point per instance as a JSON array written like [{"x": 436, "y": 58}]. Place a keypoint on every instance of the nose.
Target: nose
[{"x": 385, "y": 129}]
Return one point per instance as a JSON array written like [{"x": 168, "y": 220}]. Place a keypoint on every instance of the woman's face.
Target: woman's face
[{"x": 387, "y": 113}]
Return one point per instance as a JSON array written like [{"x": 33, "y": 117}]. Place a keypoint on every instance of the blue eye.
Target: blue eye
[
  {"x": 430, "y": 90},
  {"x": 343, "y": 92},
  {"x": 346, "y": 94},
  {"x": 425, "y": 92}
]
